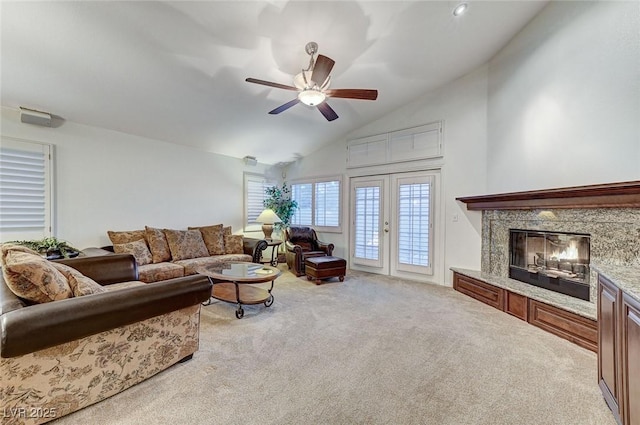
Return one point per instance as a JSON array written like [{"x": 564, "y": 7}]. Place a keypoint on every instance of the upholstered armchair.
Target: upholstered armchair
[{"x": 301, "y": 243}]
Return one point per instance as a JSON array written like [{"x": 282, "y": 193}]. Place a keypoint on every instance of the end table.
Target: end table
[{"x": 274, "y": 244}]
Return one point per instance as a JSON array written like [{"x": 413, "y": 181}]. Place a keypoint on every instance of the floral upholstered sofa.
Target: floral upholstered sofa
[
  {"x": 77, "y": 331},
  {"x": 165, "y": 253}
]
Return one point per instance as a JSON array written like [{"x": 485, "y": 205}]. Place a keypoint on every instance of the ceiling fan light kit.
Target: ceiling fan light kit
[
  {"x": 312, "y": 85},
  {"x": 311, "y": 97},
  {"x": 460, "y": 9}
]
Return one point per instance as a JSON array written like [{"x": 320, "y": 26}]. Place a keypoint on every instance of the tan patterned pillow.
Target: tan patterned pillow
[
  {"x": 158, "y": 244},
  {"x": 80, "y": 284},
  {"x": 185, "y": 244},
  {"x": 33, "y": 278},
  {"x": 213, "y": 238},
  {"x": 125, "y": 236},
  {"x": 136, "y": 248},
  {"x": 8, "y": 246},
  {"x": 233, "y": 244}
]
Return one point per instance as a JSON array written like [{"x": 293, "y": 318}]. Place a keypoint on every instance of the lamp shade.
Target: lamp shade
[{"x": 268, "y": 217}]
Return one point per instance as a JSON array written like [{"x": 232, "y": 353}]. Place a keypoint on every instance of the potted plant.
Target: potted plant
[
  {"x": 51, "y": 248},
  {"x": 279, "y": 200}
]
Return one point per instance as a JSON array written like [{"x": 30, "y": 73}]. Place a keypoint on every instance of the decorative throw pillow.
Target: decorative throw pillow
[
  {"x": 233, "y": 244},
  {"x": 8, "y": 246},
  {"x": 213, "y": 238},
  {"x": 33, "y": 278},
  {"x": 158, "y": 244},
  {"x": 80, "y": 284},
  {"x": 136, "y": 248},
  {"x": 185, "y": 244},
  {"x": 125, "y": 236}
]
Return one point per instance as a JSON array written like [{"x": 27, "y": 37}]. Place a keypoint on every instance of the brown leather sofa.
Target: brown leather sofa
[
  {"x": 74, "y": 352},
  {"x": 301, "y": 243}
]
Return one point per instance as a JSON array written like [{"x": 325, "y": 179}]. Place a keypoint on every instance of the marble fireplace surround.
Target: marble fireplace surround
[{"x": 610, "y": 213}]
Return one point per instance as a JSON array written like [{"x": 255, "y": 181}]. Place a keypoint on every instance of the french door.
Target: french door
[{"x": 392, "y": 223}]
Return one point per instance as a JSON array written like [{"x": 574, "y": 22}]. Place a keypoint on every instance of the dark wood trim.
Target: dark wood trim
[{"x": 611, "y": 195}]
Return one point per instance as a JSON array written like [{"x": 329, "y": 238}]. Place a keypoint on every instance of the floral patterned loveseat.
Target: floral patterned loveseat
[
  {"x": 167, "y": 253},
  {"x": 66, "y": 347}
]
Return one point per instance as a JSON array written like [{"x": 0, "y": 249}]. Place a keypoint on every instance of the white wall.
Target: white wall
[
  {"x": 106, "y": 180},
  {"x": 462, "y": 106},
  {"x": 564, "y": 99}
]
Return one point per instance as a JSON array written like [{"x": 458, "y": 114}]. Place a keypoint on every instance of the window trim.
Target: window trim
[{"x": 324, "y": 179}]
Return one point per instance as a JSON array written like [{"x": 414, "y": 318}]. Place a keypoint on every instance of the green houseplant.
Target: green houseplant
[
  {"x": 52, "y": 248},
  {"x": 279, "y": 200}
]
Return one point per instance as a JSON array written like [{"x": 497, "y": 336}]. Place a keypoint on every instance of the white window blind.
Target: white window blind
[
  {"x": 327, "y": 205},
  {"x": 367, "y": 222},
  {"x": 303, "y": 194},
  {"x": 25, "y": 190},
  {"x": 255, "y": 187},
  {"x": 413, "y": 224},
  {"x": 318, "y": 204}
]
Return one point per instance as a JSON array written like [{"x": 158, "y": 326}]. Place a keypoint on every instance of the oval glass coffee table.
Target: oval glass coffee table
[{"x": 232, "y": 283}]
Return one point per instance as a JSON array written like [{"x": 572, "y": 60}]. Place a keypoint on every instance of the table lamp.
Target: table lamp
[{"x": 267, "y": 218}]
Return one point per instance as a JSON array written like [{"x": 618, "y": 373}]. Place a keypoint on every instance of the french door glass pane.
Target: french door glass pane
[
  {"x": 367, "y": 219},
  {"x": 413, "y": 224}
]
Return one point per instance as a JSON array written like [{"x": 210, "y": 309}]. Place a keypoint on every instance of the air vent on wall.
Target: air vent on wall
[{"x": 31, "y": 116}]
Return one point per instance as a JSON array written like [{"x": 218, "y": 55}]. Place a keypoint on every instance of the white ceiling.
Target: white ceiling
[{"x": 175, "y": 71}]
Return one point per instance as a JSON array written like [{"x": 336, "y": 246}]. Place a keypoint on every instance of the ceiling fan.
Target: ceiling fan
[{"x": 312, "y": 85}]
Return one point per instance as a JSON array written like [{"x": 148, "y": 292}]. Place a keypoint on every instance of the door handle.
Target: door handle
[{"x": 386, "y": 230}]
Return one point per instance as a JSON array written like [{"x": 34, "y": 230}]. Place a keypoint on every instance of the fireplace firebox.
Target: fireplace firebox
[{"x": 551, "y": 260}]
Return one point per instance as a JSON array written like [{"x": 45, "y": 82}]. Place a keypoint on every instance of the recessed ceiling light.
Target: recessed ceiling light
[{"x": 460, "y": 9}]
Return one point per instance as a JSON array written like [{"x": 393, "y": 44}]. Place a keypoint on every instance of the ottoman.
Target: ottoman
[{"x": 326, "y": 267}]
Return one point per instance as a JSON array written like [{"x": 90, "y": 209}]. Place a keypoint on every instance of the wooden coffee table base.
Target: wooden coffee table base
[{"x": 242, "y": 295}]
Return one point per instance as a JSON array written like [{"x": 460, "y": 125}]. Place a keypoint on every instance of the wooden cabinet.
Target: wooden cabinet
[
  {"x": 577, "y": 329},
  {"x": 619, "y": 351},
  {"x": 481, "y": 291},
  {"x": 565, "y": 324},
  {"x": 630, "y": 350},
  {"x": 609, "y": 369}
]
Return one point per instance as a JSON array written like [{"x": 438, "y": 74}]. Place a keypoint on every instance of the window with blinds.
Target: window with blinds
[
  {"x": 255, "y": 186},
  {"x": 303, "y": 194},
  {"x": 319, "y": 204},
  {"x": 25, "y": 190}
]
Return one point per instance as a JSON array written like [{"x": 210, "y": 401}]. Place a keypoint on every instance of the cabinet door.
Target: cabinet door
[
  {"x": 608, "y": 355},
  {"x": 630, "y": 360}
]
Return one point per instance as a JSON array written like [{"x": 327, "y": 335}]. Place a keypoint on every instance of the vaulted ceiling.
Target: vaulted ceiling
[{"x": 175, "y": 71}]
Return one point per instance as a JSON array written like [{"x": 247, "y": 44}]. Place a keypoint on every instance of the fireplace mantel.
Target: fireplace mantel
[{"x": 611, "y": 195}]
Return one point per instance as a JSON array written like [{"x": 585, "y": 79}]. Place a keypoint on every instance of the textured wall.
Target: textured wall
[{"x": 615, "y": 235}]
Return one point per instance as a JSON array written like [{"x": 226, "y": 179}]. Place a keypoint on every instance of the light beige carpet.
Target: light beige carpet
[{"x": 370, "y": 350}]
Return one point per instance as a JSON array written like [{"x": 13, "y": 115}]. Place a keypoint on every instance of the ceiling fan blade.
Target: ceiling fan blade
[
  {"x": 322, "y": 69},
  {"x": 270, "y": 84},
  {"x": 361, "y": 94},
  {"x": 284, "y": 107},
  {"x": 327, "y": 111}
]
